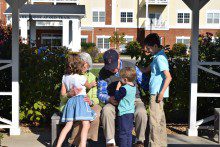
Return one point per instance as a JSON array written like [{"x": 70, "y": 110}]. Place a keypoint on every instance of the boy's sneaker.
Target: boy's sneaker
[{"x": 139, "y": 144}]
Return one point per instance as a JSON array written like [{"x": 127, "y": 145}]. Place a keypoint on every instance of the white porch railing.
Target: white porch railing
[
  {"x": 155, "y": 24},
  {"x": 55, "y": 1},
  {"x": 160, "y": 2}
]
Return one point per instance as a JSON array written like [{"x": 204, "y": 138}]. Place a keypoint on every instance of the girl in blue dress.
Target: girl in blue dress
[{"x": 76, "y": 109}]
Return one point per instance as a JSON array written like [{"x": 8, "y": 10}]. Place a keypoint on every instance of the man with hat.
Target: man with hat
[{"x": 107, "y": 82}]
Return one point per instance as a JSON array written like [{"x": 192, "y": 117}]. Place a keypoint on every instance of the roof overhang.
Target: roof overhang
[{"x": 54, "y": 12}]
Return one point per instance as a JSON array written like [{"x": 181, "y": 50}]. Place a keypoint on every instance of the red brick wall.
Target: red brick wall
[
  {"x": 2, "y": 10},
  {"x": 168, "y": 36},
  {"x": 108, "y": 12}
]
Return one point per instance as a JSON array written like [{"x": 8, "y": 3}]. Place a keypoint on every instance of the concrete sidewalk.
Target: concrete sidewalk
[{"x": 43, "y": 139}]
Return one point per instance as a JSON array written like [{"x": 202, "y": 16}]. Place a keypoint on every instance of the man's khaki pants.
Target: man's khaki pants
[
  {"x": 158, "y": 133},
  {"x": 93, "y": 130},
  {"x": 140, "y": 117}
]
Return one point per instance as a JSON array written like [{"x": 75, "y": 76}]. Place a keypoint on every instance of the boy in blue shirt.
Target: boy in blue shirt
[
  {"x": 125, "y": 94},
  {"x": 159, "y": 89}
]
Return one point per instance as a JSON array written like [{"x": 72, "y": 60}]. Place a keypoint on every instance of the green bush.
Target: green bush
[
  {"x": 86, "y": 45},
  {"x": 41, "y": 73},
  {"x": 91, "y": 49},
  {"x": 179, "y": 49},
  {"x": 5, "y": 42},
  {"x": 133, "y": 49}
]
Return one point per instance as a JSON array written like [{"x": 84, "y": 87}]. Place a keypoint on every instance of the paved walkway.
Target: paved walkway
[{"x": 43, "y": 139}]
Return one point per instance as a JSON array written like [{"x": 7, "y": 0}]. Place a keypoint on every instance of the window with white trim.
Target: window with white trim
[
  {"x": 127, "y": 17},
  {"x": 183, "y": 17},
  {"x": 103, "y": 42},
  {"x": 127, "y": 40},
  {"x": 184, "y": 40},
  {"x": 84, "y": 38},
  {"x": 213, "y": 18},
  {"x": 98, "y": 16},
  {"x": 51, "y": 40}
]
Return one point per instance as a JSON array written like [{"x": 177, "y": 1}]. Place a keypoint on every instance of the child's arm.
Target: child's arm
[
  {"x": 63, "y": 94},
  {"x": 165, "y": 85},
  {"x": 120, "y": 92},
  {"x": 90, "y": 85}
]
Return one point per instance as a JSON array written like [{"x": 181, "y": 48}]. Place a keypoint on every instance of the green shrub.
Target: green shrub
[
  {"x": 179, "y": 50},
  {"x": 86, "y": 45},
  {"x": 133, "y": 49},
  {"x": 40, "y": 82},
  {"x": 91, "y": 49},
  {"x": 5, "y": 42}
]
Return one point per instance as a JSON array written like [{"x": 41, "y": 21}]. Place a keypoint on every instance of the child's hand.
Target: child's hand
[
  {"x": 74, "y": 91},
  {"x": 119, "y": 85},
  {"x": 160, "y": 97},
  {"x": 93, "y": 84}
]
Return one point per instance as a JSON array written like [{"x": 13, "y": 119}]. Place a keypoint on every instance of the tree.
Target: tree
[{"x": 117, "y": 39}]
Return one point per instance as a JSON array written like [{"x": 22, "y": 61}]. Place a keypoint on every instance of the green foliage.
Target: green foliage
[
  {"x": 117, "y": 39},
  {"x": 5, "y": 42},
  {"x": 40, "y": 82},
  {"x": 1, "y": 137},
  {"x": 86, "y": 45},
  {"x": 91, "y": 49},
  {"x": 133, "y": 49},
  {"x": 178, "y": 50}
]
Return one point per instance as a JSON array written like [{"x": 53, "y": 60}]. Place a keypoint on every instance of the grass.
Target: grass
[{"x": 95, "y": 71}]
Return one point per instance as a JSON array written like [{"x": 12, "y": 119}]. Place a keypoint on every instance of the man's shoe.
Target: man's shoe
[
  {"x": 139, "y": 144},
  {"x": 110, "y": 145}
]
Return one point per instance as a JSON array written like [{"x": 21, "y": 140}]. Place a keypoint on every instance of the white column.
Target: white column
[
  {"x": 195, "y": 6},
  {"x": 76, "y": 35},
  {"x": 32, "y": 33},
  {"x": 15, "y": 129},
  {"x": 147, "y": 22},
  {"x": 114, "y": 6},
  {"x": 65, "y": 33},
  {"x": 24, "y": 30}
]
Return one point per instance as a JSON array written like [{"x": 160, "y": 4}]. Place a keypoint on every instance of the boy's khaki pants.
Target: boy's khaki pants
[
  {"x": 140, "y": 118},
  {"x": 158, "y": 134}
]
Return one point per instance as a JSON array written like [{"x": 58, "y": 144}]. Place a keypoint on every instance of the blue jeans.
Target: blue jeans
[{"x": 125, "y": 123}]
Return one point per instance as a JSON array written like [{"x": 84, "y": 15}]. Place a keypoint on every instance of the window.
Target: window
[
  {"x": 126, "y": 16},
  {"x": 184, "y": 40},
  {"x": 98, "y": 16},
  {"x": 51, "y": 40},
  {"x": 213, "y": 18},
  {"x": 127, "y": 40},
  {"x": 183, "y": 17},
  {"x": 155, "y": 18},
  {"x": 103, "y": 43},
  {"x": 84, "y": 38}
]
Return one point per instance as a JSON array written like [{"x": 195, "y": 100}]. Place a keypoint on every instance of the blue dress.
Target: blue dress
[{"x": 76, "y": 109}]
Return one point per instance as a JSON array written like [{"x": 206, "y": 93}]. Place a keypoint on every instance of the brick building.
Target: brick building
[
  {"x": 3, "y": 6},
  {"x": 171, "y": 19}
]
